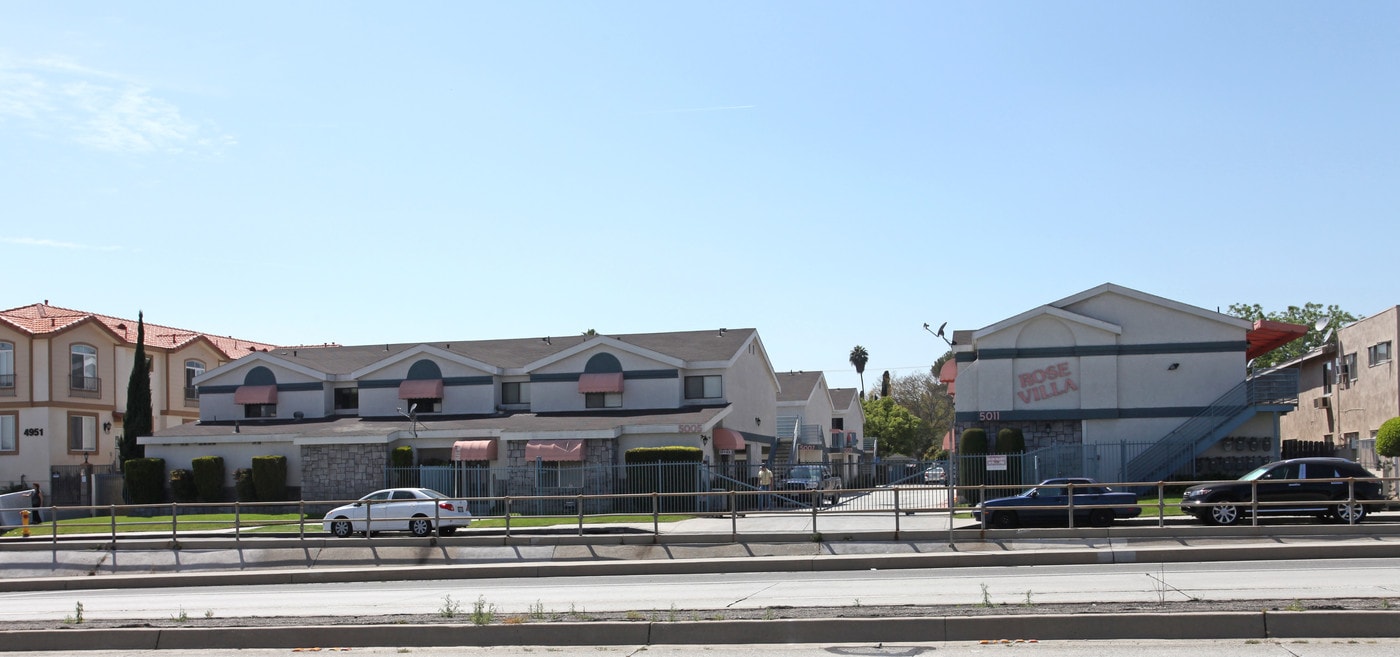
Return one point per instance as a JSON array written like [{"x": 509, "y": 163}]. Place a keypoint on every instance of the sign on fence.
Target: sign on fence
[{"x": 996, "y": 462}]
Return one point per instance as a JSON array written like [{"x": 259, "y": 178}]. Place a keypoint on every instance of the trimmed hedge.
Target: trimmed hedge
[
  {"x": 243, "y": 485},
  {"x": 270, "y": 478},
  {"x": 182, "y": 486},
  {"x": 145, "y": 480},
  {"x": 209, "y": 478},
  {"x": 1388, "y": 438},
  {"x": 972, "y": 471}
]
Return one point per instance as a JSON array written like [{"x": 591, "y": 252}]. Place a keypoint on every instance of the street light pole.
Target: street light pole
[{"x": 952, "y": 473}]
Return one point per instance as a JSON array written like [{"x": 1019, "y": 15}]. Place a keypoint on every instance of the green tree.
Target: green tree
[
  {"x": 136, "y": 422},
  {"x": 928, "y": 399},
  {"x": 896, "y": 428},
  {"x": 1388, "y": 438},
  {"x": 1308, "y": 315},
  {"x": 859, "y": 357}
]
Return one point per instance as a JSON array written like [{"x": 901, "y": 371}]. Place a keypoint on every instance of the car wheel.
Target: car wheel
[
  {"x": 1002, "y": 520},
  {"x": 420, "y": 526},
  {"x": 835, "y": 499},
  {"x": 446, "y": 531},
  {"x": 342, "y": 528},
  {"x": 1101, "y": 517},
  {"x": 1349, "y": 513},
  {"x": 1224, "y": 514}
]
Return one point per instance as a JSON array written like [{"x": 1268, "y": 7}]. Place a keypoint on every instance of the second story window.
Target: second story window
[
  {"x": 704, "y": 387},
  {"x": 7, "y": 368},
  {"x": 602, "y": 400},
  {"x": 515, "y": 392},
  {"x": 193, "y": 369},
  {"x": 83, "y": 369},
  {"x": 1349, "y": 369},
  {"x": 1375, "y": 354},
  {"x": 347, "y": 399}
]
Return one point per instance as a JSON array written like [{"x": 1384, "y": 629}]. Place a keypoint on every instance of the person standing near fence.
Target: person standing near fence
[
  {"x": 36, "y": 501},
  {"x": 765, "y": 484}
]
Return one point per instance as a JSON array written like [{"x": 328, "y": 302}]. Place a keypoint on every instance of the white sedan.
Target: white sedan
[{"x": 397, "y": 509}]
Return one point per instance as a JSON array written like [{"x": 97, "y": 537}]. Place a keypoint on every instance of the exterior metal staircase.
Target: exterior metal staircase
[{"x": 1275, "y": 391}]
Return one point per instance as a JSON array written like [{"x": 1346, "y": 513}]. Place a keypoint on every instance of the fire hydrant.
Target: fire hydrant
[{"x": 24, "y": 523}]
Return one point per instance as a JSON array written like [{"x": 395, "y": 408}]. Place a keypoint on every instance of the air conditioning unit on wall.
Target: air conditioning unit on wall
[{"x": 1322, "y": 402}]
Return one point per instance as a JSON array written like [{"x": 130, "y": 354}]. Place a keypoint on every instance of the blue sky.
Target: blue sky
[{"x": 829, "y": 173}]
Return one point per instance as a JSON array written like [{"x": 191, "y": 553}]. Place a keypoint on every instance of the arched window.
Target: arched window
[
  {"x": 7, "y": 367},
  {"x": 602, "y": 382},
  {"x": 422, "y": 390},
  {"x": 193, "y": 368},
  {"x": 83, "y": 369}
]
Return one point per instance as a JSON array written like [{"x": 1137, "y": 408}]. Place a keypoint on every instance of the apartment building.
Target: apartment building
[{"x": 63, "y": 379}]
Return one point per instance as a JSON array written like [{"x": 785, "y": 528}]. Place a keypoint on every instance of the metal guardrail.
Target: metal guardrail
[{"x": 891, "y": 501}]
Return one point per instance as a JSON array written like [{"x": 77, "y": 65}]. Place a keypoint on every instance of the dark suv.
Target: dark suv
[{"x": 1307, "y": 486}]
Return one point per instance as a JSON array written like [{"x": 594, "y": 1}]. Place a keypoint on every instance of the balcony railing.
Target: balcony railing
[{"x": 85, "y": 386}]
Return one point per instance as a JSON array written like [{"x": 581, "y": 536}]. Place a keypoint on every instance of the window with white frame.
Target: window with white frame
[
  {"x": 1349, "y": 369},
  {"x": 1329, "y": 377},
  {"x": 704, "y": 387},
  {"x": 193, "y": 369},
  {"x": 602, "y": 400},
  {"x": 9, "y": 442},
  {"x": 7, "y": 365},
  {"x": 82, "y": 433},
  {"x": 561, "y": 474},
  {"x": 515, "y": 392},
  {"x": 83, "y": 368},
  {"x": 1378, "y": 353}
]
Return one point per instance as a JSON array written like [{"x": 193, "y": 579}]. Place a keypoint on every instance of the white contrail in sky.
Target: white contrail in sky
[
  {"x": 30, "y": 241},
  {"x": 722, "y": 108}
]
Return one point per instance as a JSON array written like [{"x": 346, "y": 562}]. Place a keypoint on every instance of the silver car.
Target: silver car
[{"x": 416, "y": 510}]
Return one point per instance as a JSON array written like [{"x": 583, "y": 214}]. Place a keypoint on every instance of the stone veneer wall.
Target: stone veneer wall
[
  {"x": 342, "y": 472},
  {"x": 598, "y": 460}
]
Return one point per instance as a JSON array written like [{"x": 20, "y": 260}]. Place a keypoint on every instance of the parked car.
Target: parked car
[
  {"x": 399, "y": 509},
  {"x": 815, "y": 479},
  {"x": 1316, "y": 486},
  {"x": 936, "y": 474},
  {"x": 1094, "y": 504}
]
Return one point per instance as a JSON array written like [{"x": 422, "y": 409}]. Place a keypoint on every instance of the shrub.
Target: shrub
[
  {"x": 1388, "y": 438},
  {"x": 1011, "y": 441},
  {"x": 270, "y": 478},
  {"x": 243, "y": 485},
  {"x": 144, "y": 480},
  {"x": 972, "y": 471},
  {"x": 182, "y": 487},
  {"x": 209, "y": 478}
]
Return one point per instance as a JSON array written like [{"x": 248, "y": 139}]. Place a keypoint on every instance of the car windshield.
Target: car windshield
[
  {"x": 1255, "y": 473},
  {"x": 803, "y": 473}
]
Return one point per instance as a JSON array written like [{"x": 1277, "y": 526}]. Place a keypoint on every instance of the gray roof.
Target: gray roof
[
  {"x": 797, "y": 386},
  {"x": 690, "y": 346},
  {"x": 842, "y": 398}
]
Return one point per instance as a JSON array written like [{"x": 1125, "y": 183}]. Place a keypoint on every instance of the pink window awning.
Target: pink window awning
[
  {"x": 728, "y": 439},
  {"x": 474, "y": 450},
  {"x": 554, "y": 450},
  {"x": 255, "y": 395},
  {"x": 421, "y": 389},
  {"x": 600, "y": 382}
]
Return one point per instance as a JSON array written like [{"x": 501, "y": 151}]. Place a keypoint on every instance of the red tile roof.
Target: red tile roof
[{"x": 41, "y": 318}]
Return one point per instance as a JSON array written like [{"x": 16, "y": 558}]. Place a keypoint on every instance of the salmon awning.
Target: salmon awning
[
  {"x": 728, "y": 439},
  {"x": 1268, "y": 335},
  {"x": 600, "y": 382},
  {"x": 474, "y": 450},
  {"x": 421, "y": 389},
  {"x": 554, "y": 450},
  {"x": 948, "y": 374},
  {"x": 255, "y": 395}
]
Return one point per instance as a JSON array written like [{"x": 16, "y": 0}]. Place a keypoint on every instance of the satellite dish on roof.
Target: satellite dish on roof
[{"x": 1321, "y": 323}]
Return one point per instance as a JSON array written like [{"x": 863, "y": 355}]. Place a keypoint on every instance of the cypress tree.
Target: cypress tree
[{"x": 137, "y": 420}]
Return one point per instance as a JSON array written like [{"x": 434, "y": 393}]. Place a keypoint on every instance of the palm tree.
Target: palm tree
[{"x": 859, "y": 357}]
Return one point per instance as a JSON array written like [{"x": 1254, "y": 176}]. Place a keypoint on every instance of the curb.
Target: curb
[
  {"x": 801, "y": 563},
  {"x": 1050, "y": 627}
]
